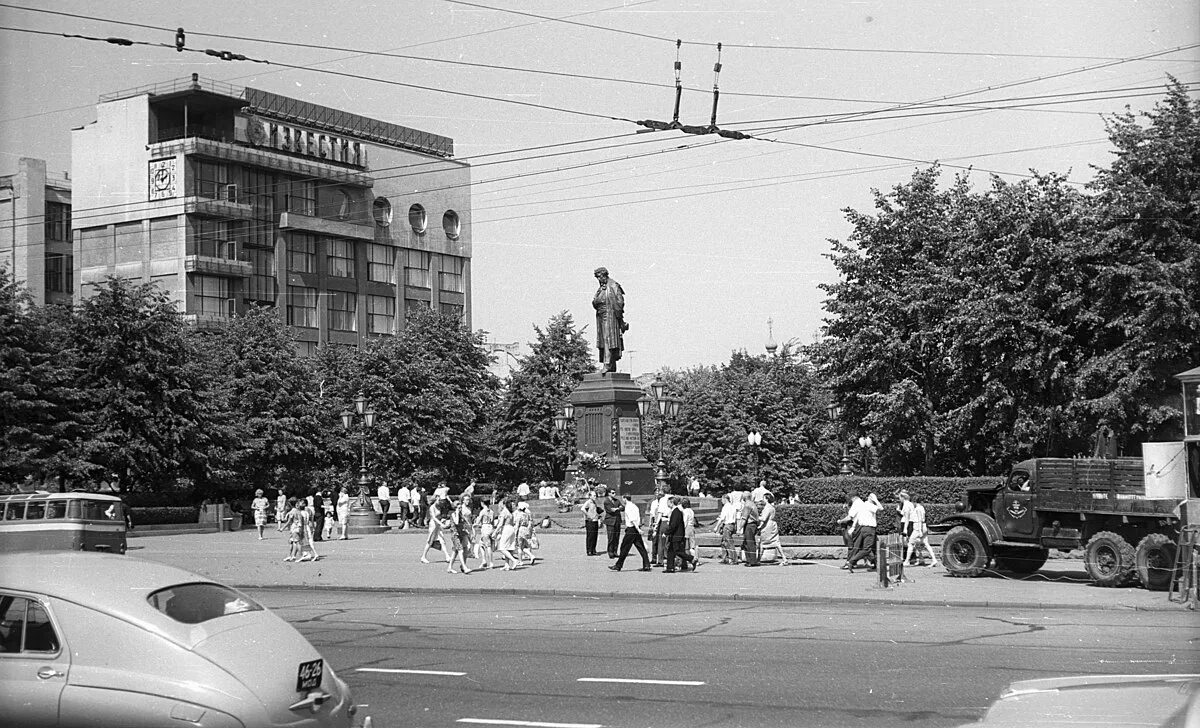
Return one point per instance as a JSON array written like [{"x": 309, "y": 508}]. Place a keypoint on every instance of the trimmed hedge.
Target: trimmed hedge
[
  {"x": 822, "y": 519},
  {"x": 922, "y": 489},
  {"x": 159, "y": 515}
]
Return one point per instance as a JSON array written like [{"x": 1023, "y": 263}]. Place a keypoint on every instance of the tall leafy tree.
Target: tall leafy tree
[
  {"x": 432, "y": 391},
  {"x": 272, "y": 395},
  {"x": 1146, "y": 264},
  {"x": 528, "y": 441},
  {"x": 150, "y": 418}
]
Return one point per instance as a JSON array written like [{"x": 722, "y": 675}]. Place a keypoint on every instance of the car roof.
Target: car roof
[{"x": 112, "y": 584}]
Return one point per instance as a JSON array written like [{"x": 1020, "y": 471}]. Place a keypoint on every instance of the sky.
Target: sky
[{"x": 711, "y": 238}]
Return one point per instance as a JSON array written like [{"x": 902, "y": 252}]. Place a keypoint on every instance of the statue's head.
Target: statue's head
[{"x": 601, "y": 274}]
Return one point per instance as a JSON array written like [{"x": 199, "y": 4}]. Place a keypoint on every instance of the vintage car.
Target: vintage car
[
  {"x": 1113, "y": 701},
  {"x": 94, "y": 639}
]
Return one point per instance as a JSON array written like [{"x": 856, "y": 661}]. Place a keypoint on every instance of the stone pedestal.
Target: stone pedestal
[
  {"x": 363, "y": 520},
  {"x": 607, "y": 422}
]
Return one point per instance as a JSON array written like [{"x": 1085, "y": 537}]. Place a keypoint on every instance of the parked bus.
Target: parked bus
[{"x": 44, "y": 521}]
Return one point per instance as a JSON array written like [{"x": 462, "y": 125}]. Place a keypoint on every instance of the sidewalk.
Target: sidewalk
[{"x": 390, "y": 562}]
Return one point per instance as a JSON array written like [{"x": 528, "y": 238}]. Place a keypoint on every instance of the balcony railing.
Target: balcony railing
[{"x": 172, "y": 133}]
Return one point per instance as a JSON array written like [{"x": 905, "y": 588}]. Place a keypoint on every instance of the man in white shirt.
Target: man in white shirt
[
  {"x": 632, "y": 520},
  {"x": 523, "y": 489},
  {"x": 864, "y": 532},
  {"x": 417, "y": 501},
  {"x": 385, "y": 502},
  {"x": 757, "y": 494},
  {"x": 403, "y": 496},
  {"x": 660, "y": 515},
  {"x": 440, "y": 492}
]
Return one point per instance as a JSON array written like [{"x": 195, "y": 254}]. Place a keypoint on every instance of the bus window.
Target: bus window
[
  {"x": 93, "y": 510},
  {"x": 74, "y": 509},
  {"x": 15, "y": 512},
  {"x": 35, "y": 509},
  {"x": 56, "y": 509}
]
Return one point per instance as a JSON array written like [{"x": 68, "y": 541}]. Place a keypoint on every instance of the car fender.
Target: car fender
[{"x": 981, "y": 522}]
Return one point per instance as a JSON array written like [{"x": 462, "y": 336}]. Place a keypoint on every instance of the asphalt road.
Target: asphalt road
[{"x": 420, "y": 660}]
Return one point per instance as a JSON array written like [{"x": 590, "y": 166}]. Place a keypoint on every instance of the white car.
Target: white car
[
  {"x": 1112, "y": 701},
  {"x": 92, "y": 639}
]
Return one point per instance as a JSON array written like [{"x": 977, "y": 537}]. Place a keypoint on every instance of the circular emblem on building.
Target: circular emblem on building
[{"x": 608, "y": 410}]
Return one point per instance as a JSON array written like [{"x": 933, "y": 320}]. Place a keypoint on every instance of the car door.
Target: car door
[{"x": 34, "y": 662}]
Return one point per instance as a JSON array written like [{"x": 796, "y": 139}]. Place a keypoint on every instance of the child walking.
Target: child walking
[{"x": 293, "y": 521}]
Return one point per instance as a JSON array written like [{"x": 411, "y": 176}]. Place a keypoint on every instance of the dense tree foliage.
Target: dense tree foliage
[
  {"x": 529, "y": 444},
  {"x": 969, "y": 328},
  {"x": 779, "y": 396}
]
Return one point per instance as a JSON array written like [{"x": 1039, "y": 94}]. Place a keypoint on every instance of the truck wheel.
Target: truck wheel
[
  {"x": 1155, "y": 560},
  {"x": 1109, "y": 559},
  {"x": 1021, "y": 561},
  {"x": 964, "y": 553}
]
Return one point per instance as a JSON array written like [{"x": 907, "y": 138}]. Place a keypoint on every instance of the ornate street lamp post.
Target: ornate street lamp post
[
  {"x": 864, "y": 445},
  {"x": 668, "y": 408},
  {"x": 562, "y": 423},
  {"x": 362, "y": 517},
  {"x": 834, "y": 410},
  {"x": 754, "y": 440}
]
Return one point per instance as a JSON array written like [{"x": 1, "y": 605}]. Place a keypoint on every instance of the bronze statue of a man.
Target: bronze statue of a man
[{"x": 609, "y": 303}]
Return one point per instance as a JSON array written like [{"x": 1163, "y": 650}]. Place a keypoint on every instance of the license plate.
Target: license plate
[{"x": 308, "y": 677}]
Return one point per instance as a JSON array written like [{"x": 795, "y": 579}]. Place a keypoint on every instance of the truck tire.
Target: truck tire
[
  {"x": 1109, "y": 560},
  {"x": 963, "y": 553},
  {"x": 1155, "y": 561},
  {"x": 1021, "y": 561}
]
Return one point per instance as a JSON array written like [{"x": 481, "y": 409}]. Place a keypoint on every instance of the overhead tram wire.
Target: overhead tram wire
[{"x": 757, "y": 46}]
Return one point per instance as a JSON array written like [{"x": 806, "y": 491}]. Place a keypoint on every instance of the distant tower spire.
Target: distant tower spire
[{"x": 771, "y": 345}]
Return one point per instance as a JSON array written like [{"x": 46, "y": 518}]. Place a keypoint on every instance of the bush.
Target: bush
[
  {"x": 822, "y": 519},
  {"x": 159, "y": 515},
  {"x": 923, "y": 489}
]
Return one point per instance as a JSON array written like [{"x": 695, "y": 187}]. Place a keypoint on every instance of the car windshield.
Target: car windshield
[{"x": 200, "y": 602}]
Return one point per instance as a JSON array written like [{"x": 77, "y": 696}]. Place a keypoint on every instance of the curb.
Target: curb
[{"x": 700, "y": 597}]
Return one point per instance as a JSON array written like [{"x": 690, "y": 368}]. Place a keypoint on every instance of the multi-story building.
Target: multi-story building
[
  {"x": 35, "y": 231},
  {"x": 229, "y": 198}
]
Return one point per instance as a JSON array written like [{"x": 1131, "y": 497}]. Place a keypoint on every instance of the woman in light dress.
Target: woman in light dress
[
  {"x": 768, "y": 530},
  {"x": 485, "y": 525},
  {"x": 524, "y": 523},
  {"x": 343, "y": 511},
  {"x": 507, "y": 542},
  {"x": 456, "y": 534},
  {"x": 435, "y": 529}
]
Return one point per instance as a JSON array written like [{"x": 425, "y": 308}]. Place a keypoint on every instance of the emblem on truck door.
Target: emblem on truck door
[{"x": 1016, "y": 509}]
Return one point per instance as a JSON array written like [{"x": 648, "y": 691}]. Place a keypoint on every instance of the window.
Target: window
[
  {"x": 15, "y": 512},
  {"x": 56, "y": 509},
  {"x": 25, "y": 626},
  {"x": 261, "y": 284},
  {"x": 412, "y": 305},
  {"x": 381, "y": 209},
  {"x": 416, "y": 268},
  {"x": 197, "y": 603},
  {"x": 211, "y": 179},
  {"x": 379, "y": 263},
  {"x": 302, "y": 253},
  {"x": 452, "y": 274},
  {"x": 59, "y": 273},
  {"x": 209, "y": 238},
  {"x": 302, "y": 307},
  {"x": 302, "y": 197},
  {"x": 381, "y": 314},
  {"x": 343, "y": 311},
  {"x": 339, "y": 258},
  {"x": 35, "y": 510},
  {"x": 416, "y": 218},
  {"x": 258, "y": 190},
  {"x": 451, "y": 309},
  {"x": 211, "y": 295},
  {"x": 450, "y": 224},
  {"x": 58, "y": 221}
]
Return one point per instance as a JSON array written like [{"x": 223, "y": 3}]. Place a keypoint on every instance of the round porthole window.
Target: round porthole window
[
  {"x": 450, "y": 224},
  {"x": 382, "y": 210},
  {"x": 416, "y": 218}
]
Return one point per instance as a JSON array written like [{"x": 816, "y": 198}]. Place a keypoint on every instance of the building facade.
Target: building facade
[
  {"x": 229, "y": 198},
  {"x": 35, "y": 231}
]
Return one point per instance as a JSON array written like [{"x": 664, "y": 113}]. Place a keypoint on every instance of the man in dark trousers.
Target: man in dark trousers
[
  {"x": 591, "y": 522},
  {"x": 613, "y": 508},
  {"x": 631, "y": 519},
  {"x": 750, "y": 534},
  {"x": 677, "y": 539}
]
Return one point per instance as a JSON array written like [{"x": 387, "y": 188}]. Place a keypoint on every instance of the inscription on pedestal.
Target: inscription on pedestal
[{"x": 631, "y": 436}]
